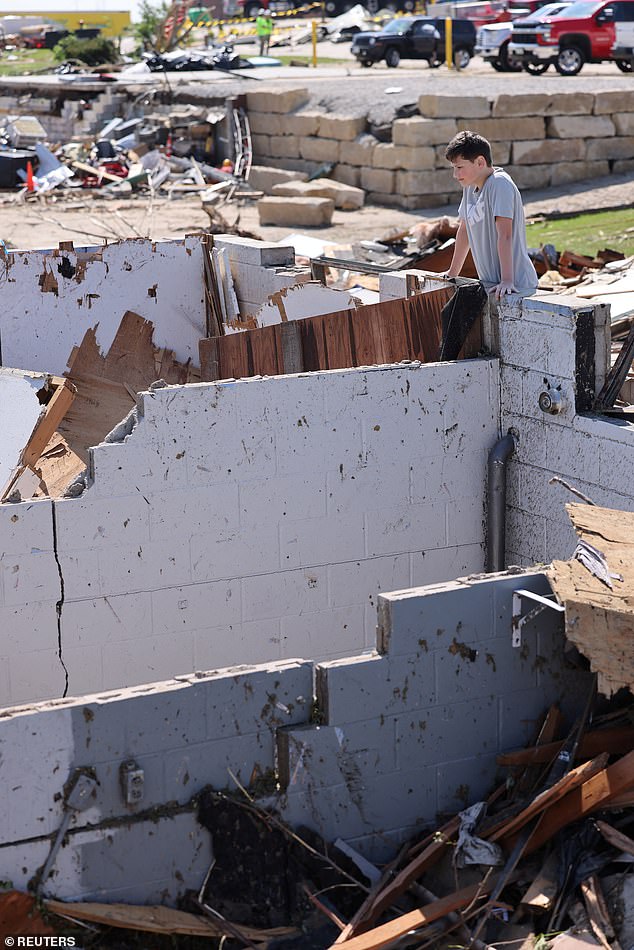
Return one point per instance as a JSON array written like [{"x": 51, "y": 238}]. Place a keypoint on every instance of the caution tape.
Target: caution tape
[{"x": 251, "y": 19}]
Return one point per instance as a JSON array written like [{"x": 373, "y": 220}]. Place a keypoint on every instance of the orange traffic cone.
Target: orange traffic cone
[{"x": 30, "y": 184}]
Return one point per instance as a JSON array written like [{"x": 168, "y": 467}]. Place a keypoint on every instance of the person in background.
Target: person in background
[{"x": 264, "y": 29}]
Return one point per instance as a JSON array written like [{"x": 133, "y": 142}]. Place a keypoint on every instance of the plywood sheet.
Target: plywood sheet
[
  {"x": 600, "y": 621},
  {"x": 107, "y": 384}
]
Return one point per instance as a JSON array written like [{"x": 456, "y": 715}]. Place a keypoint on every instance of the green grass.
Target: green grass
[
  {"x": 308, "y": 60},
  {"x": 586, "y": 233},
  {"x": 27, "y": 61}
]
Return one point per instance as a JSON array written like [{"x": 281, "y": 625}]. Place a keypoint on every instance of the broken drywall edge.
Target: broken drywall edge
[
  {"x": 20, "y": 411},
  {"x": 298, "y": 302}
]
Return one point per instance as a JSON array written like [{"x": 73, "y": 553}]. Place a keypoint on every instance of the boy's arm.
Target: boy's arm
[
  {"x": 504, "y": 228},
  {"x": 460, "y": 251}
]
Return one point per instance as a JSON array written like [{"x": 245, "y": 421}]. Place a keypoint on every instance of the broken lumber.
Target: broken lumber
[
  {"x": 159, "y": 920},
  {"x": 385, "y": 898},
  {"x": 616, "y": 740},
  {"x": 582, "y": 800},
  {"x": 415, "y": 919},
  {"x": 616, "y": 838},
  {"x": 551, "y": 795}
]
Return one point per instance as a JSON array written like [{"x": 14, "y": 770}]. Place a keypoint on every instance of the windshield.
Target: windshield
[
  {"x": 551, "y": 9},
  {"x": 400, "y": 25},
  {"x": 582, "y": 9}
]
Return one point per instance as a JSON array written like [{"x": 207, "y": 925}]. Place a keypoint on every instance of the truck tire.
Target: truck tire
[
  {"x": 625, "y": 65},
  {"x": 536, "y": 69},
  {"x": 507, "y": 65},
  {"x": 392, "y": 57},
  {"x": 569, "y": 61},
  {"x": 366, "y": 63},
  {"x": 461, "y": 58}
]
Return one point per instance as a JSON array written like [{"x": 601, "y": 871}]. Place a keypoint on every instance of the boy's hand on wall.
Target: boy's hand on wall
[{"x": 504, "y": 287}]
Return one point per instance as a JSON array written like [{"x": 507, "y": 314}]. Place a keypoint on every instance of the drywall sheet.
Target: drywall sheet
[{"x": 49, "y": 300}]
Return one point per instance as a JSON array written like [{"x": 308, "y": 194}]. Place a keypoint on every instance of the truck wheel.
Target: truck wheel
[
  {"x": 508, "y": 65},
  {"x": 461, "y": 58},
  {"x": 366, "y": 63},
  {"x": 624, "y": 65},
  {"x": 536, "y": 69},
  {"x": 392, "y": 57},
  {"x": 498, "y": 66},
  {"x": 569, "y": 61}
]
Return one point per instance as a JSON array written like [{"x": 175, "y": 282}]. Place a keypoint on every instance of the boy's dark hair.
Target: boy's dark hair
[{"x": 468, "y": 145}]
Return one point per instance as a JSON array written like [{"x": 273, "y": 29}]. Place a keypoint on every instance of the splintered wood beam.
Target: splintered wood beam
[
  {"x": 410, "y": 873},
  {"x": 583, "y": 800},
  {"x": 551, "y": 795},
  {"x": 387, "y": 933},
  {"x": 616, "y": 741},
  {"x": 55, "y": 410},
  {"x": 616, "y": 838}
]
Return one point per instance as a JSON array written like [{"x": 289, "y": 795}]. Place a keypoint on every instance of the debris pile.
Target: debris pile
[{"x": 544, "y": 861}]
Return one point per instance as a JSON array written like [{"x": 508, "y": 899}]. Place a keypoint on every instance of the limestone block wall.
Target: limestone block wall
[
  {"x": 244, "y": 522},
  {"x": 540, "y": 139},
  {"x": 402, "y": 734}
]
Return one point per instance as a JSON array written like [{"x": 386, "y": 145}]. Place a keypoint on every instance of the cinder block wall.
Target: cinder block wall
[
  {"x": 401, "y": 736},
  {"x": 541, "y": 341},
  {"x": 248, "y": 521},
  {"x": 540, "y": 139}
]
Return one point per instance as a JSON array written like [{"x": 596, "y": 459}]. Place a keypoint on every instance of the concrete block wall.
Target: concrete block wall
[
  {"x": 250, "y": 521},
  {"x": 538, "y": 342},
  {"x": 183, "y": 734},
  {"x": 49, "y": 299},
  {"x": 396, "y": 738},
  {"x": 540, "y": 139},
  {"x": 413, "y": 730}
]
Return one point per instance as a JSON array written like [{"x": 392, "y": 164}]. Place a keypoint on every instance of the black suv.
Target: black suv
[{"x": 420, "y": 37}]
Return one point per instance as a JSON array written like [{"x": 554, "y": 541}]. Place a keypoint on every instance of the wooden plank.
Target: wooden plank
[
  {"x": 338, "y": 341},
  {"x": 56, "y": 409},
  {"x": 616, "y": 838},
  {"x": 264, "y": 348},
  {"x": 292, "y": 357},
  {"x": 234, "y": 359},
  {"x": 616, "y": 741},
  {"x": 313, "y": 344},
  {"x": 209, "y": 355},
  {"x": 617, "y": 375},
  {"x": 410, "y": 873},
  {"x": 387, "y": 933},
  {"x": 583, "y": 800},
  {"x": 597, "y": 911},
  {"x": 158, "y": 919},
  {"x": 551, "y": 795},
  {"x": 543, "y": 890},
  {"x": 97, "y": 172}
]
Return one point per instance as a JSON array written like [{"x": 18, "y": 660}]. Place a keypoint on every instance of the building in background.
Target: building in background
[{"x": 112, "y": 16}]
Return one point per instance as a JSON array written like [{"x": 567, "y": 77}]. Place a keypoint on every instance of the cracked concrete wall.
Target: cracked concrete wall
[
  {"x": 247, "y": 522},
  {"x": 539, "y": 344},
  {"x": 396, "y": 737},
  {"x": 48, "y": 299},
  {"x": 183, "y": 735}
]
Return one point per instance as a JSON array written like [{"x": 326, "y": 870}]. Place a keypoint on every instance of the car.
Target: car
[
  {"x": 410, "y": 37},
  {"x": 588, "y": 31},
  {"x": 492, "y": 41}
]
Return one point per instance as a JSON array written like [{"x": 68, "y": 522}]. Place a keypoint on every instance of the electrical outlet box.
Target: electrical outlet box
[{"x": 132, "y": 783}]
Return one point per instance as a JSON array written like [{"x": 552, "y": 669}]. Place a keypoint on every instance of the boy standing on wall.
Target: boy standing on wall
[{"x": 492, "y": 220}]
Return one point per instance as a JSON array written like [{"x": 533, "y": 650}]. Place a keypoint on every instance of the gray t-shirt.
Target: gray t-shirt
[{"x": 498, "y": 197}]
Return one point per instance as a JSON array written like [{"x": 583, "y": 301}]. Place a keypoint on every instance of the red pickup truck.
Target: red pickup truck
[{"x": 588, "y": 31}]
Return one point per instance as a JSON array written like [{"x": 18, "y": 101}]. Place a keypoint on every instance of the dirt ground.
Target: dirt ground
[{"x": 86, "y": 220}]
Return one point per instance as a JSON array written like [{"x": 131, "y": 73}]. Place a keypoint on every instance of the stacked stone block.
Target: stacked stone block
[{"x": 540, "y": 139}]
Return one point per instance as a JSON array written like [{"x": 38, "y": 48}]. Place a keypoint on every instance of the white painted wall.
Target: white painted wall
[
  {"x": 163, "y": 282},
  {"x": 595, "y": 454},
  {"x": 248, "y": 521},
  {"x": 19, "y": 411}
]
